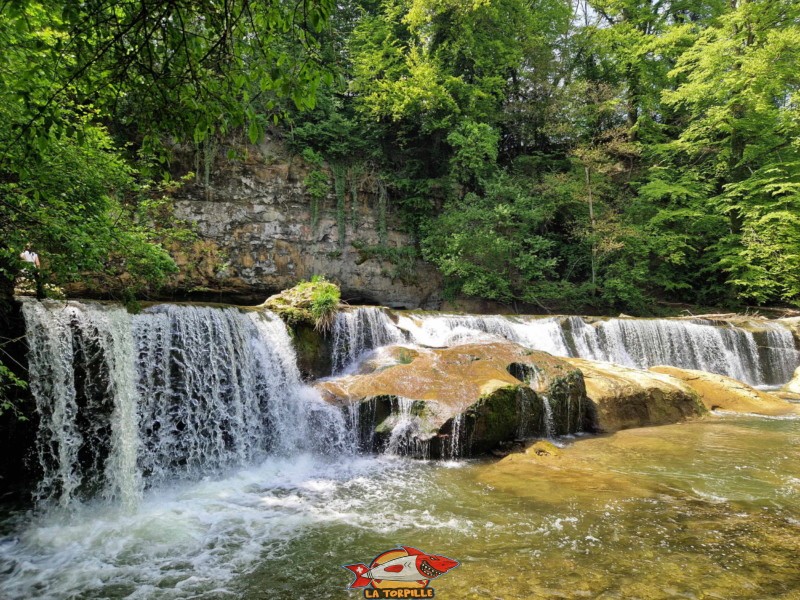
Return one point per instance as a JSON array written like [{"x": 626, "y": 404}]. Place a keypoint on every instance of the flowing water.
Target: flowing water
[
  {"x": 766, "y": 356},
  {"x": 403, "y": 438},
  {"x": 182, "y": 457},
  {"x": 177, "y": 392},
  {"x": 708, "y": 509},
  {"x": 549, "y": 423},
  {"x": 358, "y": 331}
]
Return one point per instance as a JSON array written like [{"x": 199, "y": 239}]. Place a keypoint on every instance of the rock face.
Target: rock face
[
  {"x": 793, "y": 387},
  {"x": 791, "y": 391},
  {"x": 314, "y": 350},
  {"x": 724, "y": 393},
  {"x": 625, "y": 398},
  {"x": 460, "y": 401},
  {"x": 257, "y": 210}
]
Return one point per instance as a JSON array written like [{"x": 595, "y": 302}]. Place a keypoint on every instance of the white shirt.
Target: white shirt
[{"x": 29, "y": 256}]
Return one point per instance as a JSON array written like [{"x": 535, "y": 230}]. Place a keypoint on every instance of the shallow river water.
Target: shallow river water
[{"x": 708, "y": 509}]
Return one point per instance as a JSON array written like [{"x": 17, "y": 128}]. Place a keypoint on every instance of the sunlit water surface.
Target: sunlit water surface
[{"x": 709, "y": 509}]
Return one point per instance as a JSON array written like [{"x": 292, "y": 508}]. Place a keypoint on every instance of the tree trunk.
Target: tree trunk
[{"x": 593, "y": 225}]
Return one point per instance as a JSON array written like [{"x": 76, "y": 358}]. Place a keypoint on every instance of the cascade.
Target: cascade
[
  {"x": 456, "y": 446},
  {"x": 358, "y": 331},
  {"x": 526, "y": 414},
  {"x": 403, "y": 439},
  {"x": 547, "y": 415},
  {"x": 449, "y": 330},
  {"x": 78, "y": 361},
  {"x": 549, "y": 421},
  {"x": 363, "y": 419},
  {"x": 697, "y": 344},
  {"x": 127, "y": 402},
  {"x": 777, "y": 353},
  {"x": 767, "y": 356}
]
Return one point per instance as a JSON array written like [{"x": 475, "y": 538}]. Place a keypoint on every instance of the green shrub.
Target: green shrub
[
  {"x": 315, "y": 302},
  {"x": 324, "y": 304}
]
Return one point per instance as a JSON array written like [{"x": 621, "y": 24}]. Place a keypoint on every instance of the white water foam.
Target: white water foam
[
  {"x": 549, "y": 422},
  {"x": 766, "y": 356},
  {"x": 456, "y": 446},
  {"x": 404, "y": 436},
  {"x": 356, "y": 332},
  {"x": 192, "y": 540},
  {"x": 102, "y": 338}
]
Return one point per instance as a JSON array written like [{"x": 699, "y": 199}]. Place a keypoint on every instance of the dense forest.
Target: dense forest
[{"x": 577, "y": 154}]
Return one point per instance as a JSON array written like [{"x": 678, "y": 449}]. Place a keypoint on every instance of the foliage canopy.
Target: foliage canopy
[{"x": 591, "y": 155}]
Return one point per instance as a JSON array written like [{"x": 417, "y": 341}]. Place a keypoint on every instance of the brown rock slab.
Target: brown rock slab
[
  {"x": 718, "y": 392},
  {"x": 626, "y": 398},
  {"x": 471, "y": 384},
  {"x": 793, "y": 387},
  {"x": 455, "y": 377}
]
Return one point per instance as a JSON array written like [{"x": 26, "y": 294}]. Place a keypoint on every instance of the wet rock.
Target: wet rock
[
  {"x": 625, "y": 398},
  {"x": 543, "y": 448},
  {"x": 793, "y": 387},
  {"x": 313, "y": 349},
  {"x": 718, "y": 392},
  {"x": 466, "y": 400},
  {"x": 298, "y": 305}
]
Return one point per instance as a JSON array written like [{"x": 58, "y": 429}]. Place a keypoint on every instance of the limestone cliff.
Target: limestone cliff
[{"x": 258, "y": 210}]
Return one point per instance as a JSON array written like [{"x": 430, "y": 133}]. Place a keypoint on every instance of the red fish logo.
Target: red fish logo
[{"x": 404, "y": 567}]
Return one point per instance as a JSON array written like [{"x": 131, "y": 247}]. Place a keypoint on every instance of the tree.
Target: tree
[
  {"x": 492, "y": 246},
  {"x": 739, "y": 86},
  {"x": 79, "y": 80}
]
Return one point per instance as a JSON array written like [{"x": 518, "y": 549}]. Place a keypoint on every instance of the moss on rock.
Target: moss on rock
[
  {"x": 470, "y": 384},
  {"x": 493, "y": 419},
  {"x": 313, "y": 349},
  {"x": 314, "y": 303}
]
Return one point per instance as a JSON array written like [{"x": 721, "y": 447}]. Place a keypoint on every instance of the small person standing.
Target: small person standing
[{"x": 29, "y": 256}]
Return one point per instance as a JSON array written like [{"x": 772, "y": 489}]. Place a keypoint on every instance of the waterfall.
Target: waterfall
[
  {"x": 697, "y": 344},
  {"x": 456, "y": 446},
  {"x": 777, "y": 353},
  {"x": 128, "y": 402},
  {"x": 358, "y": 331},
  {"x": 549, "y": 421},
  {"x": 526, "y": 413},
  {"x": 79, "y": 360},
  {"x": 449, "y": 330},
  {"x": 766, "y": 356},
  {"x": 404, "y": 437}
]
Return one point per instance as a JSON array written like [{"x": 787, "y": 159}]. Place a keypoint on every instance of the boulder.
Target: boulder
[
  {"x": 463, "y": 400},
  {"x": 312, "y": 303},
  {"x": 718, "y": 392},
  {"x": 625, "y": 398},
  {"x": 314, "y": 351},
  {"x": 793, "y": 387}
]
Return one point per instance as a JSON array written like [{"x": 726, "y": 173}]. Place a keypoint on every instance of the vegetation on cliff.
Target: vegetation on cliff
[
  {"x": 93, "y": 93},
  {"x": 591, "y": 155}
]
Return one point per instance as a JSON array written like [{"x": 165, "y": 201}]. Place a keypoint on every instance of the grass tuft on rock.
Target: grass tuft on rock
[{"x": 314, "y": 302}]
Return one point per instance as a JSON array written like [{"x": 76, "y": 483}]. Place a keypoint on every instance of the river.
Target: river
[
  {"x": 181, "y": 456},
  {"x": 708, "y": 509}
]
